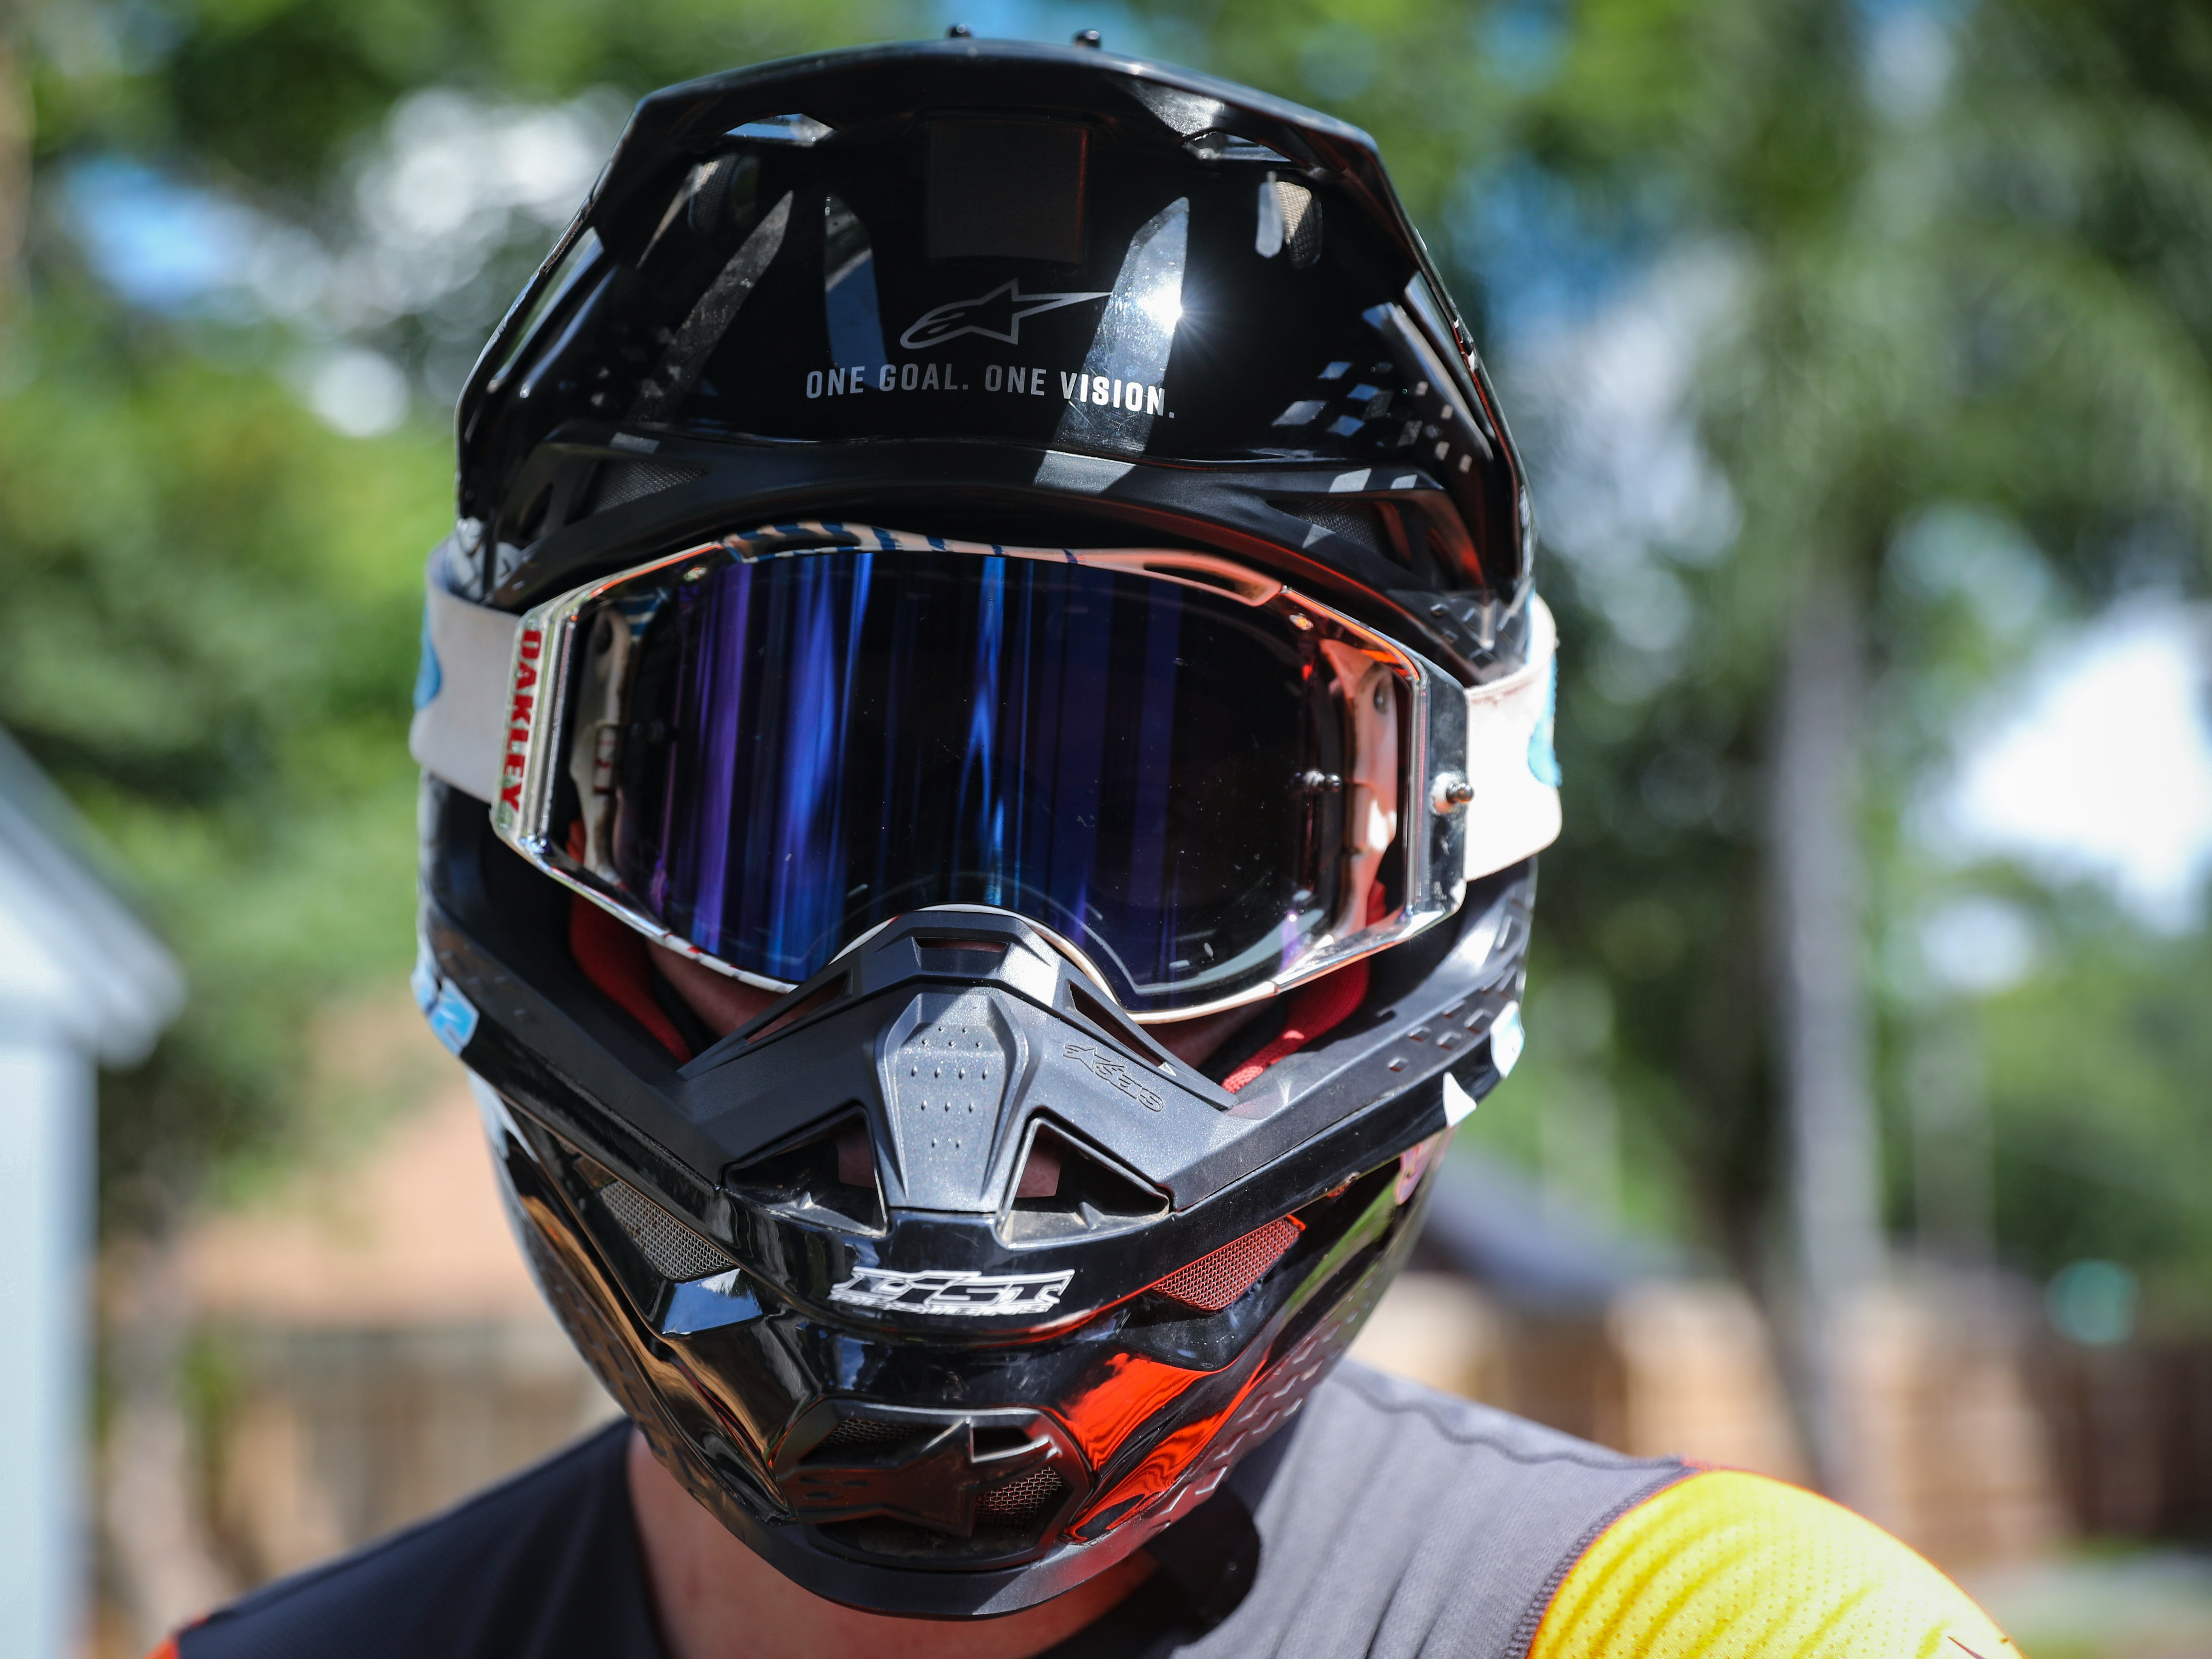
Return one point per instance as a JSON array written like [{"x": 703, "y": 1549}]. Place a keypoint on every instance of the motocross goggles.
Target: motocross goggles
[{"x": 758, "y": 750}]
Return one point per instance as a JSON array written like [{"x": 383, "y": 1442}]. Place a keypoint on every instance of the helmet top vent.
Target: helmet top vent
[{"x": 616, "y": 484}]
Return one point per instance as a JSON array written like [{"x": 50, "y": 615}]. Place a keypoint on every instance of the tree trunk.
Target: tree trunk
[
  {"x": 14, "y": 166},
  {"x": 1815, "y": 862}
]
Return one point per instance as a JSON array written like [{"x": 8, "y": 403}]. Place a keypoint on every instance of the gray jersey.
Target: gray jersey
[{"x": 1389, "y": 1521}]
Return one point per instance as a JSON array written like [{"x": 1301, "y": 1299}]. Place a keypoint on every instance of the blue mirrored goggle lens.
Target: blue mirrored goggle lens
[{"x": 813, "y": 745}]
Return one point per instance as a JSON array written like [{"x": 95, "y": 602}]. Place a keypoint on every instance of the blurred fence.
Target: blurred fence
[{"x": 2130, "y": 1435}]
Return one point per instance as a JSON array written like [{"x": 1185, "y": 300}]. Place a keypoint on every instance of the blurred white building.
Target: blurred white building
[{"x": 82, "y": 984}]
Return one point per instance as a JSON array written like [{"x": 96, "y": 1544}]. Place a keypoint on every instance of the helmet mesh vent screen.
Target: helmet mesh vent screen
[
  {"x": 619, "y": 482},
  {"x": 1356, "y": 521},
  {"x": 861, "y": 1431},
  {"x": 1301, "y": 223},
  {"x": 675, "y": 1252},
  {"x": 1213, "y": 1282},
  {"x": 1021, "y": 1497}
]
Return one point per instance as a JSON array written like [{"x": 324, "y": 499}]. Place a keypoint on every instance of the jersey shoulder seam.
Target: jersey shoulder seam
[{"x": 1532, "y": 1616}]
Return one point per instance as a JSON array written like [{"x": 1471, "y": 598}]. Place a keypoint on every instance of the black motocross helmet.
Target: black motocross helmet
[{"x": 1002, "y": 560}]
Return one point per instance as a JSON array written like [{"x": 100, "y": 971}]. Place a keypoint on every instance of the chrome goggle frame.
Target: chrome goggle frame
[{"x": 1431, "y": 794}]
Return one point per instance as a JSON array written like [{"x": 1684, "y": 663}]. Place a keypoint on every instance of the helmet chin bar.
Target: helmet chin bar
[
  {"x": 994, "y": 1365},
  {"x": 849, "y": 1492}
]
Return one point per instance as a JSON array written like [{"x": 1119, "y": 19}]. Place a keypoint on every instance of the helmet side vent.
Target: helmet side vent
[
  {"x": 1214, "y": 1281},
  {"x": 1357, "y": 522},
  {"x": 1300, "y": 212},
  {"x": 673, "y": 1250}
]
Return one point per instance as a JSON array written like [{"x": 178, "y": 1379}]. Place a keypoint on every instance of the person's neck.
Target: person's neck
[{"x": 715, "y": 1598}]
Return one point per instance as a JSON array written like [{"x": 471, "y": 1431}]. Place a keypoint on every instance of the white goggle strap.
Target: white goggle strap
[
  {"x": 460, "y": 731},
  {"x": 1510, "y": 763}
]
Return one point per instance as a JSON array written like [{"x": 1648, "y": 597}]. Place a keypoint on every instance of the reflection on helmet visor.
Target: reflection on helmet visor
[{"x": 813, "y": 745}]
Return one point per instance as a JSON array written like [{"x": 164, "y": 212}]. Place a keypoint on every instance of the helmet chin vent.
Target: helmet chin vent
[
  {"x": 1214, "y": 1281},
  {"x": 831, "y": 1176},
  {"x": 1067, "y": 1191},
  {"x": 1021, "y": 1498},
  {"x": 670, "y": 1247},
  {"x": 926, "y": 1486},
  {"x": 854, "y": 1432}
]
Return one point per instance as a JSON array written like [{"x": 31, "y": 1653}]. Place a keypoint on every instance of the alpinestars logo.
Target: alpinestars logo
[
  {"x": 996, "y": 316},
  {"x": 968, "y": 1294},
  {"x": 1107, "y": 1069}
]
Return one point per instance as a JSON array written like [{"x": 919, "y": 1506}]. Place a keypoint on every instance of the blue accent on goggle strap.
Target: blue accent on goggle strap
[
  {"x": 425, "y": 980},
  {"x": 452, "y": 1017},
  {"x": 1543, "y": 757},
  {"x": 428, "y": 677}
]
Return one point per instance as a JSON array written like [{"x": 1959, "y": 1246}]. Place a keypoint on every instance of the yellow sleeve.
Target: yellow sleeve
[{"x": 1724, "y": 1565}]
